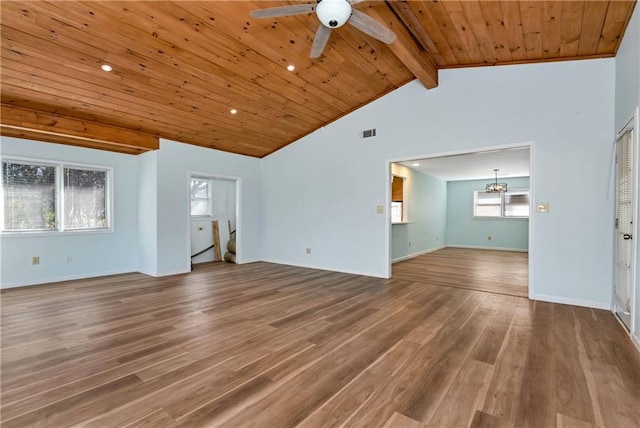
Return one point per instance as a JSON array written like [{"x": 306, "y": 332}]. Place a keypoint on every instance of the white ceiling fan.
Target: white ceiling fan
[{"x": 332, "y": 14}]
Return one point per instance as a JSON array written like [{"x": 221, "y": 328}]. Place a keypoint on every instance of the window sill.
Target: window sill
[
  {"x": 500, "y": 218},
  {"x": 54, "y": 233},
  {"x": 402, "y": 222}
]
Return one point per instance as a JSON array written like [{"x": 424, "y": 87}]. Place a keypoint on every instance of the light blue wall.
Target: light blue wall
[
  {"x": 566, "y": 109},
  {"x": 176, "y": 163},
  {"x": 426, "y": 205},
  {"x": 92, "y": 254},
  {"x": 465, "y": 231},
  {"x": 151, "y": 215},
  {"x": 628, "y": 72},
  {"x": 148, "y": 212}
]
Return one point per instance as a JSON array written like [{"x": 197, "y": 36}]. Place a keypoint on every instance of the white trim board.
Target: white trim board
[
  {"x": 635, "y": 341},
  {"x": 477, "y": 247},
  {"x": 574, "y": 302},
  {"x": 64, "y": 278},
  {"x": 330, "y": 269},
  {"x": 419, "y": 253}
]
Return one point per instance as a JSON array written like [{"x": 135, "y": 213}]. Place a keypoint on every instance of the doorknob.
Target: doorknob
[{"x": 626, "y": 236}]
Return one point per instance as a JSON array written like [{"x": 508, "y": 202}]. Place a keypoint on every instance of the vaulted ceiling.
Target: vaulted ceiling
[{"x": 180, "y": 67}]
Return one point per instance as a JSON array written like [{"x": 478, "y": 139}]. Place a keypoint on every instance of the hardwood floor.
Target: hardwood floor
[
  {"x": 275, "y": 346},
  {"x": 502, "y": 272}
]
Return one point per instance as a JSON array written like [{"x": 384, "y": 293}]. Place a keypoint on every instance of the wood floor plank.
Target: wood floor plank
[
  {"x": 484, "y": 420},
  {"x": 355, "y": 394},
  {"x": 398, "y": 420},
  {"x": 503, "y": 272},
  {"x": 272, "y": 345},
  {"x": 459, "y": 404}
]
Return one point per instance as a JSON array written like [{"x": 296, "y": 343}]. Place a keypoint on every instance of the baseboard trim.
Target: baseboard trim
[
  {"x": 574, "y": 302},
  {"x": 148, "y": 272},
  {"x": 16, "y": 284},
  {"x": 635, "y": 341},
  {"x": 173, "y": 272},
  {"x": 477, "y": 247},
  {"x": 419, "y": 253},
  {"x": 330, "y": 269}
]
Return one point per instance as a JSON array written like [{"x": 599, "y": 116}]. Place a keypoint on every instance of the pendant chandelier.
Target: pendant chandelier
[{"x": 496, "y": 187}]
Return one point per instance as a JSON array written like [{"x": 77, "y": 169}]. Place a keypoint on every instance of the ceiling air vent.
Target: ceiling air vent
[{"x": 368, "y": 133}]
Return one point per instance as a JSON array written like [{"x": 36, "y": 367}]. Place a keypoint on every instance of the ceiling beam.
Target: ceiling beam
[
  {"x": 54, "y": 128},
  {"x": 405, "y": 47}
]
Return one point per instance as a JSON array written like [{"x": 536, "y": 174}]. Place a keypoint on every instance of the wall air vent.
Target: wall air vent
[{"x": 368, "y": 133}]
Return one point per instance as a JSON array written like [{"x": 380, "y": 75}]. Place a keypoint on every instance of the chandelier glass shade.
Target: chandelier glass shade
[{"x": 496, "y": 187}]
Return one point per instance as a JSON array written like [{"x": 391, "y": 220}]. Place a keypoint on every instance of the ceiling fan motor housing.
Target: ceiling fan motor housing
[{"x": 333, "y": 13}]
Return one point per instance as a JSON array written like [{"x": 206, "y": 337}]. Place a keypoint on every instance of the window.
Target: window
[
  {"x": 511, "y": 204},
  {"x": 396, "y": 212},
  {"x": 48, "y": 196},
  {"x": 85, "y": 201},
  {"x": 397, "y": 199},
  {"x": 200, "y": 196}
]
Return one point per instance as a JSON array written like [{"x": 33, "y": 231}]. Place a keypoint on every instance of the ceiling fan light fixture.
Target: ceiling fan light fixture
[{"x": 333, "y": 13}]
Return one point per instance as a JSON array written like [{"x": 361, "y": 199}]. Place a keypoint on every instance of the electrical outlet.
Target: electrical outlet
[
  {"x": 380, "y": 209},
  {"x": 308, "y": 250},
  {"x": 489, "y": 238},
  {"x": 67, "y": 259},
  {"x": 35, "y": 260}
]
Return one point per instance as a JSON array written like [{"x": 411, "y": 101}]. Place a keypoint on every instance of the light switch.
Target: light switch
[
  {"x": 380, "y": 209},
  {"x": 542, "y": 207}
]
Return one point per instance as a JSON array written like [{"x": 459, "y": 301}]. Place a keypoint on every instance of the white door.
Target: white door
[{"x": 623, "y": 281}]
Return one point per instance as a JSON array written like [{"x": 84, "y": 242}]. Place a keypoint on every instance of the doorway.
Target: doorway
[
  {"x": 214, "y": 217},
  {"x": 455, "y": 216}
]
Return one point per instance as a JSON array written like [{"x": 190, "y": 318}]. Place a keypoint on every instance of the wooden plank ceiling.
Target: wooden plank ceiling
[{"x": 180, "y": 67}]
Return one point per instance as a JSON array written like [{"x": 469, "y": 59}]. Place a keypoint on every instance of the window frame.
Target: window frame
[
  {"x": 59, "y": 229},
  {"x": 209, "y": 181},
  {"x": 403, "y": 203},
  {"x": 502, "y": 215}
]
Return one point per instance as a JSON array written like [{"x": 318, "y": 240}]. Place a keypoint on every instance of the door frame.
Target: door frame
[
  {"x": 633, "y": 123},
  {"x": 529, "y": 144},
  {"x": 238, "y": 185}
]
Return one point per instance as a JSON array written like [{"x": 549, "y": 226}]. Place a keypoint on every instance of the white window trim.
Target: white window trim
[
  {"x": 502, "y": 217},
  {"x": 210, "y": 197},
  {"x": 60, "y": 165}
]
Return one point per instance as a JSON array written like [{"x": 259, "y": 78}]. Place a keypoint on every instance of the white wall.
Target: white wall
[
  {"x": 627, "y": 100},
  {"x": 148, "y": 212},
  {"x": 322, "y": 192},
  {"x": 92, "y": 254},
  {"x": 627, "y": 60},
  {"x": 176, "y": 162}
]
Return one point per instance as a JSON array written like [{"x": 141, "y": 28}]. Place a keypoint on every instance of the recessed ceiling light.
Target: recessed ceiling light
[
  {"x": 233, "y": 111},
  {"x": 291, "y": 67},
  {"x": 415, "y": 164},
  {"x": 106, "y": 67}
]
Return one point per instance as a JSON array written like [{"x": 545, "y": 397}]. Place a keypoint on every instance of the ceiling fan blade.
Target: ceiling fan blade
[
  {"x": 320, "y": 41},
  {"x": 274, "y": 12},
  {"x": 370, "y": 26}
]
